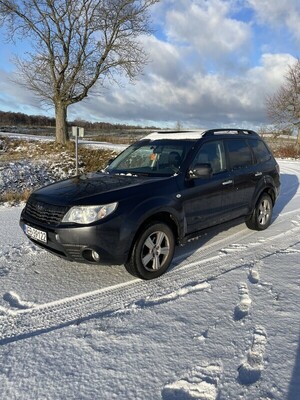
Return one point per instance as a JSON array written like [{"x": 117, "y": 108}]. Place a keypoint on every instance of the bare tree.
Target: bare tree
[
  {"x": 178, "y": 126},
  {"x": 284, "y": 106},
  {"x": 76, "y": 43}
]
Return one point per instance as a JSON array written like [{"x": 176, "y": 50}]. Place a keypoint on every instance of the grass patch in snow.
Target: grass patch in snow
[
  {"x": 13, "y": 197},
  {"x": 290, "y": 150},
  {"x": 28, "y": 165}
]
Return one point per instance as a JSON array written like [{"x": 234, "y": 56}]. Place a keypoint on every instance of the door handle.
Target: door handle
[
  {"x": 229, "y": 182},
  {"x": 258, "y": 173}
]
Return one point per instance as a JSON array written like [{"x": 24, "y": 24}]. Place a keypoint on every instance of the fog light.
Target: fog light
[{"x": 95, "y": 256}]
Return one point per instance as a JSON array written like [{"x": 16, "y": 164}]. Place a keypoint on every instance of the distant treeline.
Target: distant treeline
[
  {"x": 15, "y": 119},
  {"x": 20, "y": 119},
  {"x": 106, "y": 126}
]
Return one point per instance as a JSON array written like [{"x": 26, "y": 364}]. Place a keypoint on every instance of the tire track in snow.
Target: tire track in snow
[
  {"x": 16, "y": 324},
  {"x": 96, "y": 299}
]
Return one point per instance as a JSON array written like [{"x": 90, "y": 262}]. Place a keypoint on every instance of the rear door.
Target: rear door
[{"x": 244, "y": 175}]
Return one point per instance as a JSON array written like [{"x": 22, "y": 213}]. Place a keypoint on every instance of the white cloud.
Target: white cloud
[
  {"x": 207, "y": 27},
  {"x": 271, "y": 11},
  {"x": 279, "y": 13},
  {"x": 202, "y": 99},
  {"x": 269, "y": 75},
  {"x": 165, "y": 59},
  {"x": 16, "y": 98}
]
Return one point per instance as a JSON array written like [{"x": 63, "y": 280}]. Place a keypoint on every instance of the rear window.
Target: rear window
[
  {"x": 260, "y": 150},
  {"x": 240, "y": 154}
]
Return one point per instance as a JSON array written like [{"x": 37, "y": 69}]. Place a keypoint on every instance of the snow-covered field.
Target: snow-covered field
[{"x": 223, "y": 323}]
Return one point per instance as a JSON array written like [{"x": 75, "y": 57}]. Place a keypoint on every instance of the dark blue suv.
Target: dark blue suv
[{"x": 159, "y": 192}]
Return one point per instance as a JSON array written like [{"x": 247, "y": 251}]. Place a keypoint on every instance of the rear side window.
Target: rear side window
[
  {"x": 260, "y": 150},
  {"x": 240, "y": 154}
]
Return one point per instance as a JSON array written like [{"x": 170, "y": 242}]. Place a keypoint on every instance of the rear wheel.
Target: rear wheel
[
  {"x": 262, "y": 214},
  {"x": 152, "y": 252}
]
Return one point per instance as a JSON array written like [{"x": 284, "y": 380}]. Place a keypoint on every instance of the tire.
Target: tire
[
  {"x": 262, "y": 214},
  {"x": 152, "y": 252}
]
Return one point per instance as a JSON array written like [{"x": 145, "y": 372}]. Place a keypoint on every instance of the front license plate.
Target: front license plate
[{"x": 35, "y": 234}]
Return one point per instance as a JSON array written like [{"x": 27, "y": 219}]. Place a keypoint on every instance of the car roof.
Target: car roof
[
  {"x": 197, "y": 134},
  {"x": 175, "y": 135}
]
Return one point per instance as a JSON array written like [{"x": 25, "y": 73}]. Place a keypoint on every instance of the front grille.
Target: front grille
[{"x": 45, "y": 213}]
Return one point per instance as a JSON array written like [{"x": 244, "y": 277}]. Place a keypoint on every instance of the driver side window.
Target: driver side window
[{"x": 212, "y": 153}]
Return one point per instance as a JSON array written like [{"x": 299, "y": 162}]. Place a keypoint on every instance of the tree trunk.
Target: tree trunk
[
  {"x": 61, "y": 131},
  {"x": 298, "y": 137}
]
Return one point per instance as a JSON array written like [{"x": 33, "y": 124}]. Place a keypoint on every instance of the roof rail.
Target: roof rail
[
  {"x": 235, "y": 131},
  {"x": 170, "y": 131}
]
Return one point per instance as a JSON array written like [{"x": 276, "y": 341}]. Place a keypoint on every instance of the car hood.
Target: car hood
[{"x": 88, "y": 188}]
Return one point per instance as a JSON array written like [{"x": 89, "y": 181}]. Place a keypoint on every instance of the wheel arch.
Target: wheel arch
[
  {"x": 253, "y": 221},
  {"x": 159, "y": 217},
  {"x": 269, "y": 190}
]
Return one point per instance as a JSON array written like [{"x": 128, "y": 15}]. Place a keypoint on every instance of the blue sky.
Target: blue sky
[{"x": 212, "y": 64}]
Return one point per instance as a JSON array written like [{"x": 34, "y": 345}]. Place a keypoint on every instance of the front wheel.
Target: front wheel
[
  {"x": 262, "y": 214},
  {"x": 152, "y": 252}
]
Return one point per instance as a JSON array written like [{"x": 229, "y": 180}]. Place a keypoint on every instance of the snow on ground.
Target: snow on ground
[
  {"x": 223, "y": 323},
  {"x": 100, "y": 145},
  {"x": 26, "y": 175}
]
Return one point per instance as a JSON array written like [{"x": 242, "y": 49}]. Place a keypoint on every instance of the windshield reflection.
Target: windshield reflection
[{"x": 152, "y": 158}]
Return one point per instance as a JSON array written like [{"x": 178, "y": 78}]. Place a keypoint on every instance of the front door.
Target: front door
[{"x": 203, "y": 197}]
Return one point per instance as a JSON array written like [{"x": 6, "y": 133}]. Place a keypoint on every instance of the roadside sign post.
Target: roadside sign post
[{"x": 77, "y": 131}]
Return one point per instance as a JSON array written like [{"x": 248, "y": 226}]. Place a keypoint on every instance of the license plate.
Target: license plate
[{"x": 35, "y": 234}]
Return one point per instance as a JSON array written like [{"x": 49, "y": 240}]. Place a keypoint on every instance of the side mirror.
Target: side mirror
[{"x": 203, "y": 171}]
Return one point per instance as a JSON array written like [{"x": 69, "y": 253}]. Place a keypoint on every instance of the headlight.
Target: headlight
[{"x": 89, "y": 214}]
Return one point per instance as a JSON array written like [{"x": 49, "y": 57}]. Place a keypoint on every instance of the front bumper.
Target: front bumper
[{"x": 81, "y": 243}]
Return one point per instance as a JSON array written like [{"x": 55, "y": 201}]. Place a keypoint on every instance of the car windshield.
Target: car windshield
[{"x": 152, "y": 158}]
